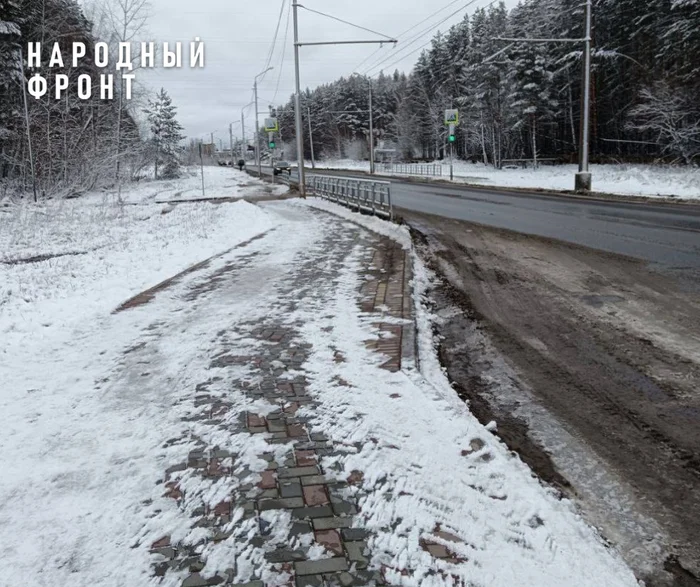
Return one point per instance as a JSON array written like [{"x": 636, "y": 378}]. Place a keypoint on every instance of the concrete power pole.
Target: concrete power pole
[
  {"x": 583, "y": 177},
  {"x": 243, "y": 144},
  {"x": 258, "y": 159},
  {"x": 583, "y": 182},
  {"x": 311, "y": 139},
  {"x": 297, "y": 105},
  {"x": 371, "y": 130},
  {"x": 257, "y": 131},
  {"x": 230, "y": 138},
  {"x": 297, "y": 101}
]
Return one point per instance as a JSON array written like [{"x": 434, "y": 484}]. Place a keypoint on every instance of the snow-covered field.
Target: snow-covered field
[
  {"x": 627, "y": 180},
  {"x": 90, "y": 400}
]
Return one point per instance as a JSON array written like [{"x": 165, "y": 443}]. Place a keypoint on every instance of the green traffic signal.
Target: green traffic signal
[
  {"x": 272, "y": 145},
  {"x": 452, "y": 138}
]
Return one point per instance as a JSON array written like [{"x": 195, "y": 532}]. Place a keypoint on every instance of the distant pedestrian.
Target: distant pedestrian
[{"x": 241, "y": 164}]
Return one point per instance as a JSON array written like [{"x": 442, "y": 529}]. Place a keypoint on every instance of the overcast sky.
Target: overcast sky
[{"x": 238, "y": 37}]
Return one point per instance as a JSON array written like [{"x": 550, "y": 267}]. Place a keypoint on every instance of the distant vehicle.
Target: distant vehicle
[{"x": 282, "y": 167}]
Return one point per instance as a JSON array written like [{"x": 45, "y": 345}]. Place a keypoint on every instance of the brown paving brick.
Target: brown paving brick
[
  {"x": 291, "y": 409},
  {"x": 255, "y": 421},
  {"x": 173, "y": 490},
  {"x": 305, "y": 458},
  {"x": 269, "y": 480},
  {"x": 315, "y": 495},
  {"x": 162, "y": 543},
  {"x": 330, "y": 539},
  {"x": 295, "y": 430}
]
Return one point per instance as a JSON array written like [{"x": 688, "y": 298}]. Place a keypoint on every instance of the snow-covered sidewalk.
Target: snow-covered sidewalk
[{"x": 260, "y": 419}]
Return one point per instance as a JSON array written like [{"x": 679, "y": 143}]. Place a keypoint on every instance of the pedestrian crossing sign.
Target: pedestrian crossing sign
[
  {"x": 452, "y": 117},
  {"x": 271, "y": 125}
]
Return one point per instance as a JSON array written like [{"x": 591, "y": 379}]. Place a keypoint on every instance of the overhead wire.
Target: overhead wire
[
  {"x": 408, "y": 30},
  {"x": 274, "y": 39},
  {"x": 346, "y": 22},
  {"x": 433, "y": 27},
  {"x": 284, "y": 50}
]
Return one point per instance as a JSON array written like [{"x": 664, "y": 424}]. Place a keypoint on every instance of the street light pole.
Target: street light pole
[
  {"x": 311, "y": 139},
  {"x": 583, "y": 177},
  {"x": 257, "y": 123},
  {"x": 297, "y": 106},
  {"x": 371, "y": 131}
]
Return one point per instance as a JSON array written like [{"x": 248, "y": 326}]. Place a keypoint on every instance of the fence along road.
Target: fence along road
[{"x": 362, "y": 195}]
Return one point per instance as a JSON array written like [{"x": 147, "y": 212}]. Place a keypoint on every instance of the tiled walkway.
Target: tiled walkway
[{"x": 297, "y": 511}]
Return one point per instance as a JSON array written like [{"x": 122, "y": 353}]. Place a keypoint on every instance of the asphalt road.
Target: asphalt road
[{"x": 666, "y": 234}]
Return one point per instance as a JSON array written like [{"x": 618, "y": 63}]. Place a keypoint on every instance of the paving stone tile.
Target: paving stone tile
[
  {"x": 280, "y": 504},
  {"x": 329, "y": 523},
  {"x": 284, "y": 555},
  {"x": 320, "y": 567},
  {"x": 312, "y": 512},
  {"x": 315, "y": 480},
  {"x": 310, "y": 581},
  {"x": 297, "y": 472},
  {"x": 290, "y": 489},
  {"x": 315, "y": 495},
  {"x": 352, "y": 534},
  {"x": 356, "y": 554},
  {"x": 330, "y": 539}
]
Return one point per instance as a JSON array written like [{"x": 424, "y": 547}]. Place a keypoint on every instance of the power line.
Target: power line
[
  {"x": 274, "y": 39},
  {"x": 422, "y": 34},
  {"x": 284, "y": 50},
  {"x": 346, "y": 22}
]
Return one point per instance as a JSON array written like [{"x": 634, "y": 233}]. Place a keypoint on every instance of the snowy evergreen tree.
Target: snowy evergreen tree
[{"x": 166, "y": 134}]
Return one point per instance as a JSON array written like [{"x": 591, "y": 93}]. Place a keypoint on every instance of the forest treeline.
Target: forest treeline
[{"x": 518, "y": 100}]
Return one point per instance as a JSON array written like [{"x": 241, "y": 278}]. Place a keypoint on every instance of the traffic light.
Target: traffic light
[
  {"x": 452, "y": 138},
  {"x": 272, "y": 144}
]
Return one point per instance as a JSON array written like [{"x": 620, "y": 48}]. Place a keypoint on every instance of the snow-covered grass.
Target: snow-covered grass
[
  {"x": 219, "y": 183},
  {"x": 63, "y": 260},
  {"x": 620, "y": 179}
]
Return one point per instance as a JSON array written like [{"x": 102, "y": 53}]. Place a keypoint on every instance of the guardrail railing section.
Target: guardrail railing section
[
  {"x": 361, "y": 195},
  {"x": 423, "y": 169}
]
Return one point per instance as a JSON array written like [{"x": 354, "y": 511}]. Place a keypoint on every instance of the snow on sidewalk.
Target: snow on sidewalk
[{"x": 250, "y": 423}]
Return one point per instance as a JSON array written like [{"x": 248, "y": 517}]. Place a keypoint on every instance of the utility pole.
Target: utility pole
[
  {"x": 243, "y": 144},
  {"x": 311, "y": 139},
  {"x": 371, "y": 131},
  {"x": 297, "y": 101},
  {"x": 583, "y": 177},
  {"x": 258, "y": 159},
  {"x": 297, "y": 105},
  {"x": 230, "y": 135},
  {"x": 583, "y": 181}
]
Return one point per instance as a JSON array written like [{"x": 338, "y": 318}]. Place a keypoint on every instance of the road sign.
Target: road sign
[
  {"x": 452, "y": 117},
  {"x": 271, "y": 125}
]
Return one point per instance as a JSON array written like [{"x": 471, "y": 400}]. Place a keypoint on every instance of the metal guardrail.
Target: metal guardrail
[
  {"x": 412, "y": 168},
  {"x": 362, "y": 195}
]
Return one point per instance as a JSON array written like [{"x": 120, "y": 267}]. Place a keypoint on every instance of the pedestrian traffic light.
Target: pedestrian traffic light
[
  {"x": 452, "y": 138},
  {"x": 272, "y": 144}
]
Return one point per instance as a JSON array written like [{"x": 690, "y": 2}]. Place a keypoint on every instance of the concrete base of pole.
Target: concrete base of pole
[{"x": 583, "y": 182}]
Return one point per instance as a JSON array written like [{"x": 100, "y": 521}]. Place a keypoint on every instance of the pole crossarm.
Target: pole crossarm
[
  {"x": 524, "y": 40},
  {"x": 380, "y": 42}
]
